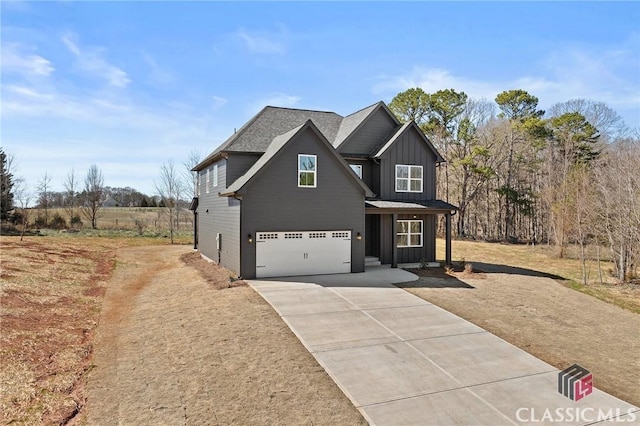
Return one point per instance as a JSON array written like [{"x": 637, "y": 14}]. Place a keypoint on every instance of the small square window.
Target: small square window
[
  {"x": 357, "y": 169},
  {"x": 307, "y": 170}
]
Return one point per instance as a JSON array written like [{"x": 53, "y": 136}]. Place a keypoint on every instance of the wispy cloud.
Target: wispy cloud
[
  {"x": 219, "y": 102},
  {"x": 608, "y": 76},
  {"x": 277, "y": 99},
  {"x": 158, "y": 75},
  {"x": 261, "y": 43},
  {"x": 16, "y": 60},
  {"x": 91, "y": 60}
]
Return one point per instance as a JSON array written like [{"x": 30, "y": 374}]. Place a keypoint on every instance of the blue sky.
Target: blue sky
[{"x": 130, "y": 85}]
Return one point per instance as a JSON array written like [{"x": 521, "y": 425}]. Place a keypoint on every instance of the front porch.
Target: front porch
[{"x": 399, "y": 232}]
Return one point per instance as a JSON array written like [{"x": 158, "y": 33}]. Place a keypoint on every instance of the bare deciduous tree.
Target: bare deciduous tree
[
  {"x": 23, "y": 195},
  {"x": 93, "y": 195},
  {"x": 170, "y": 188},
  {"x": 44, "y": 189},
  {"x": 618, "y": 210},
  {"x": 71, "y": 194}
]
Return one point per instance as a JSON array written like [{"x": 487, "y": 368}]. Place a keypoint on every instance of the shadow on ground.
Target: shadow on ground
[{"x": 492, "y": 268}]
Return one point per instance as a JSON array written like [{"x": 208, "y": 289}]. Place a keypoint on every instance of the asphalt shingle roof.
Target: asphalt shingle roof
[{"x": 256, "y": 135}]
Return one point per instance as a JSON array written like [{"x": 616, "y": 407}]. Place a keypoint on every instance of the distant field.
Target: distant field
[{"x": 147, "y": 218}]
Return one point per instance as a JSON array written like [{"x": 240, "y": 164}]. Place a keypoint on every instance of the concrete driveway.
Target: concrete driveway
[{"x": 404, "y": 361}]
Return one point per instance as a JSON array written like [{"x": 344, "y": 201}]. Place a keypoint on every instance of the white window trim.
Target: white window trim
[
  {"x": 215, "y": 175},
  {"x": 315, "y": 172},
  {"x": 359, "y": 171},
  {"x": 409, "y": 179},
  {"x": 197, "y": 184},
  {"x": 208, "y": 179},
  {"x": 409, "y": 233}
]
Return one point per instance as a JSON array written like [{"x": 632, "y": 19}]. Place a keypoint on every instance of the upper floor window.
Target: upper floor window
[
  {"x": 215, "y": 175},
  {"x": 357, "y": 168},
  {"x": 408, "y": 178},
  {"x": 208, "y": 179},
  {"x": 307, "y": 170},
  {"x": 197, "y": 183}
]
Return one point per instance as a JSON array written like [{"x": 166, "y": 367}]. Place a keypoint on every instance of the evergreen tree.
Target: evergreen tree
[{"x": 6, "y": 185}]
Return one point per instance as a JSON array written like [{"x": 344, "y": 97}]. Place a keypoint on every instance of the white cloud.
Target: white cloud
[
  {"x": 91, "y": 60},
  {"x": 260, "y": 44},
  {"x": 15, "y": 60},
  {"x": 610, "y": 76},
  {"x": 158, "y": 75},
  {"x": 276, "y": 99},
  {"x": 219, "y": 102}
]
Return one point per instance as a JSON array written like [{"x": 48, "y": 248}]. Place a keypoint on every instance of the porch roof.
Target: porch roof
[{"x": 415, "y": 207}]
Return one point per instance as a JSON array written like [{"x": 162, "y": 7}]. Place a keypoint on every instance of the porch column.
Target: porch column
[
  {"x": 447, "y": 260},
  {"x": 394, "y": 240}
]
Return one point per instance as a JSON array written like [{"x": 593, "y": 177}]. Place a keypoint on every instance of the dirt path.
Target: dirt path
[
  {"x": 557, "y": 324},
  {"x": 172, "y": 350}
]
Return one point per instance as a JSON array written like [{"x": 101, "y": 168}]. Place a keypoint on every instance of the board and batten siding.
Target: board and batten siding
[
  {"x": 274, "y": 202},
  {"x": 409, "y": 254},
  {"x": 218, "y": 215},
  {"x": 409, "y": 149},
  {"x": 375, "y": 131}
]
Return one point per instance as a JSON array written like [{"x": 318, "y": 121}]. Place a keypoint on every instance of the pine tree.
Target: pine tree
[{"x": 6, "y": 185}]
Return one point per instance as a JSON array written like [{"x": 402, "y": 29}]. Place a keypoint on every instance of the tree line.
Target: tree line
[
  {"x": 84, "y": 197},
  {"x": 569, "y": 175}
]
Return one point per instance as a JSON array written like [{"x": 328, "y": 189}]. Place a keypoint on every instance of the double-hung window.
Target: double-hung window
[
  {"x": 215, "y": 175},
  {"x": 357, "y": 169},
  {"x": 409, "y": 233},
  {"x": 408, "y": 178},
  {"x": 307, "y": 171},
  {"x": 208, "y": 179}
]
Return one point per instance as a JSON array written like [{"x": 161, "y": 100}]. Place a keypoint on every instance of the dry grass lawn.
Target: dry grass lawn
[
  {"x": 188, "y": 344},
  {"x": 542, "y": 258},
  {"x": 51, "y": 292}
]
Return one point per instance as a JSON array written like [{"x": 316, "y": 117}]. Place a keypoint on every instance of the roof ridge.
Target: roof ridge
[
  {"x": 302, "y": 109},
  {"x": 362, "y": 109}
]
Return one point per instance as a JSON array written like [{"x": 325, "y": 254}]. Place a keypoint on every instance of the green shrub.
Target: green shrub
[{"x": 57, "y": 222}]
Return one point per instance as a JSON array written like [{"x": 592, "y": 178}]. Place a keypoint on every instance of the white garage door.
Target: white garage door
[{"x": 280, "y": 254}]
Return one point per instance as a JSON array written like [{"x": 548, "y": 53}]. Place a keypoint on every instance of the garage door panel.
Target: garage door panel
[{"x": 302, "y": 253}]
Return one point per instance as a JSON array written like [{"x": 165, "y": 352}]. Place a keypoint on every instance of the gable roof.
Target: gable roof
[
  {"x": 276, "y": 145},
  {"x": 351, "y": 123},
  {"x": 403, "y": 129}
]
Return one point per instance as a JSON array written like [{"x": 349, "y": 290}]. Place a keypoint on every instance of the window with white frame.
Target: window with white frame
[
  {"x": 307, "y": 171},
  {"x": 215, "y": 175},
  {"x": 409, "y": 233},
  {"x": 357, "y": 168},
  {"x": 197, "y": 183},
  {"x": 408, "y": 178},
  {"x": 208, "y": 180}
]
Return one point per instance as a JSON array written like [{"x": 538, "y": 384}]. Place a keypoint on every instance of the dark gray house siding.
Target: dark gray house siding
[
  {"x": 409, "y": 149},
  {"x": 409, "y": 254},
  {"x": 217, "y": 216},
  {"x": 274, "y": 202},
  {"x": 238, "y": 164},
  {"x": 371, "y": 135}
]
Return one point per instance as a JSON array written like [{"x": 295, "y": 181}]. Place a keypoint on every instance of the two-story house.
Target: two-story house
[{"x": 300, "y": 192}]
